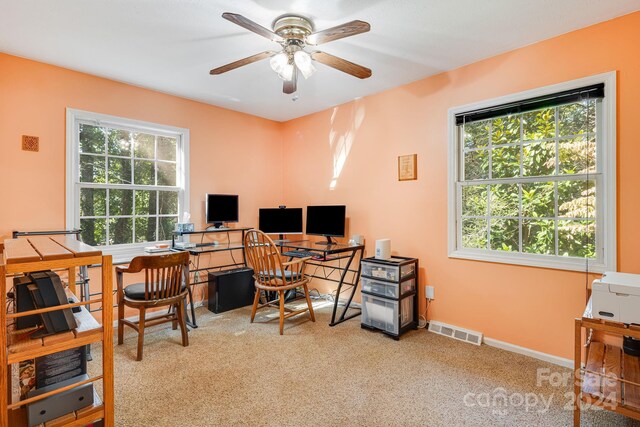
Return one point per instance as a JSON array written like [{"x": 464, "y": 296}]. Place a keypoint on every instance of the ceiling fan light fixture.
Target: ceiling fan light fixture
[
  {"x": 304, "y": 64},
  {"x": 287, "y": 71},
  {"x": 278, "y": 62}
]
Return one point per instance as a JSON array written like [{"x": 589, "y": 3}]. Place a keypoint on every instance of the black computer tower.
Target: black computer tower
[{"x": 230, "y": 289}]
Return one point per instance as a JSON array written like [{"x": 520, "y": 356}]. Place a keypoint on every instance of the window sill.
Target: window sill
[
  {"x": 543, "y": 261},
  {"x": 123, "y": 254}
]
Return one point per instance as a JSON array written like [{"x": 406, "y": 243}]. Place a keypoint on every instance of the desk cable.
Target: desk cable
[{"x": 424, "y": 318}]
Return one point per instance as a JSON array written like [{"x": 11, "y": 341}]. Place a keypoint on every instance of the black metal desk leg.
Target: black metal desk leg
[
  {"x": 193, "y": 310},
  {"x": 244, "y": 255},
  {"x": 343, "y": 316},
  {"x": 85, "y": 295},
  {"x": 355, "y": 282}
]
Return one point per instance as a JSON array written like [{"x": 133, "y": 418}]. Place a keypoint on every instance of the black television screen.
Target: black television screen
[
  {"x": 280, "y": 220},
  {"x": 221, "y": 208},
  {"x": 326, "y": 220}
]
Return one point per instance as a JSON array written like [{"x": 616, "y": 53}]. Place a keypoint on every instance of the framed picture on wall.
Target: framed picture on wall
[{"x": 408, "y": 167}]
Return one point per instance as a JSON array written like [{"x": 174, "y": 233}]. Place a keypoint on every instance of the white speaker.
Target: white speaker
[{"x": 383, "y": 249}]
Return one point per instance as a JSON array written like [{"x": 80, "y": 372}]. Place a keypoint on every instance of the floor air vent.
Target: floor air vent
[{"x": 455, "y": 332}]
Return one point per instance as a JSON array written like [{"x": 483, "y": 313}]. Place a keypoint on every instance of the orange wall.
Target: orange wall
[
  {"x": 33, "y": 99},
  {"x": 530, "y": 307}
]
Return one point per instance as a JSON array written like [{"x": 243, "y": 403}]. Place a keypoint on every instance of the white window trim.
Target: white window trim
[
  {"x": 607, "y": 152},
  {"x": 124, "y": 252}
]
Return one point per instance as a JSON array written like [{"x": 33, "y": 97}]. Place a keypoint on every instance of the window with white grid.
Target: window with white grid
[
  {"x": 128, "y": 180},
  {"x": 533, "y": 187}
]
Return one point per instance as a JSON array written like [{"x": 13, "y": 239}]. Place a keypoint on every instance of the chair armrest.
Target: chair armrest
[
  {"x": 120, "y": 270},
  {"x": 120, "y": 277}
]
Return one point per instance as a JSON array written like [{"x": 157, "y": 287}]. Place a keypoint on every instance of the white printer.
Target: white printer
[{"x": 616, "y": 296}]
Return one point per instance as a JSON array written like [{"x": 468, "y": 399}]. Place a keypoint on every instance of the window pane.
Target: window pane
[
  {"x": 505, "y": 162},
  {"x": 538, "y": 199},
  {"x": 576, "y": 238},
  {"x": 591, "y": 115},
  {"x": 577, "y": 199},
  {"x": 504, "y": 200},
  {"x": 167, "y": 173},
  {"x": 93, "y": 202},
  {"x": 146, "y": 229},
  {"x": 146, "y": 202},
  {"x": 552, "y": 216},
  {"x": 538, "y": 236},
  {"x": 120, "y": 202},
  {"x": 504, "y": 235},
  {"x": 167, "y": 225},
  {"x": 119, "y": 171},
  {"x": 476, "y": 134},
  {"x": 91, "y": 139},
  {"x": 94, "y": 231},
  {"x": 120, "y": 231},
  {"x": 505, "y": 130},
  {"x": 119, "y": 142},
  {"x": 168, "y": 203},
  {"x": 474, "y": 200},
  {"x": 540, "y": 124},
  {"x": 539, "y": 159},
  {"x": 144, "y": 145},
  {"x": 474, "y": 233},
  {"x": 476, "y": 165},
  {"x": 167, "y": 148},
  {"x": 92, "y": 169},
  {"x": 144, "y": 173},
  {"x": 577, "y": 155},
  {"x": 573, "y": 120}
]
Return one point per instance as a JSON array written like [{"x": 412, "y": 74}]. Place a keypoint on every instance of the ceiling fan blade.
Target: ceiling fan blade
[
  {"x": 342, "y": 65},
  {"x": 241, "y": 62},
  {"x": 252, "y": 26},
  {"x": 345, "y": 30},
  {"x": 292, "y": 85}
]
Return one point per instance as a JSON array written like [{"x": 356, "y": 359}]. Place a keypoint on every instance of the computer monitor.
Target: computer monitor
[
  {"x": 221, "y": 208},
  {"x": 280, "y": 221},
  {"x": 326, "y": 221}
]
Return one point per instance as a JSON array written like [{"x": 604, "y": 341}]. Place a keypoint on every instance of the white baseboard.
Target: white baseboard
[{"x": 556, "y": 360}]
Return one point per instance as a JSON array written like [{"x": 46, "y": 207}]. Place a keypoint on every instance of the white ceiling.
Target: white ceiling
[{"x": 170, "y": 45}]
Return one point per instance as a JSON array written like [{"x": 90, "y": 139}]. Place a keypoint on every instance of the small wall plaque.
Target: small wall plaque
[
  {"x": 30, "y": 143},
  {"x": 408, "y": 167}
]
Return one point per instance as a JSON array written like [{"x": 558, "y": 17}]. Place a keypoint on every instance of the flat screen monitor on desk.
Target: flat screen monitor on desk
[
  {"x": 280, "y": 221},
  {"x": 327, "y": 221},
  {"x": 221, "y": 208}
]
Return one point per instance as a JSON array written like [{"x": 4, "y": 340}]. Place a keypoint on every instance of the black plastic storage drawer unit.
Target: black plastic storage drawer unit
[{"x": 389, "y": 295}]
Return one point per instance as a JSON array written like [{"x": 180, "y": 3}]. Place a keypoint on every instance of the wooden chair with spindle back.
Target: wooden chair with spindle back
[
  {"x": 271, "y": 274},
  {"x": 165, "y": 284}
]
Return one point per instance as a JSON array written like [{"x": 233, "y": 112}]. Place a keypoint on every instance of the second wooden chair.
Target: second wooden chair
[
  {"x": 272, "y": 275},
  {"x": 165, "y": 284}
]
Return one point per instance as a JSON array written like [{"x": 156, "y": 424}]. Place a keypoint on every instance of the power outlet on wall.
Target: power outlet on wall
[{"x": 429, "y": 292}]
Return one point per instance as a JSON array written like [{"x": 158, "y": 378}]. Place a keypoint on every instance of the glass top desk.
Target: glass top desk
[
  {"x": 208, "y": 248},
  {"x": 333, "y": 254}
]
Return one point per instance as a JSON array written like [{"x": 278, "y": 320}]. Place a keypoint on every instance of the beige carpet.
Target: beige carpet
[{"x": 236, "y": 373}]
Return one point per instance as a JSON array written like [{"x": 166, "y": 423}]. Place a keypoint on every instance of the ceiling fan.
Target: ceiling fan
[{"x": 294, "y": 33}]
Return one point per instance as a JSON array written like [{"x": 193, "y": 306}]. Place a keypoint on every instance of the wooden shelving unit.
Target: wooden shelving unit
[
  {"x": 609, "y": 379},
  {"x": 30, "y": 254}
]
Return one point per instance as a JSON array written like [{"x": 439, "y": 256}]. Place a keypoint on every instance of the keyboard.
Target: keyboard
[{"x": 302, "y": 254}]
